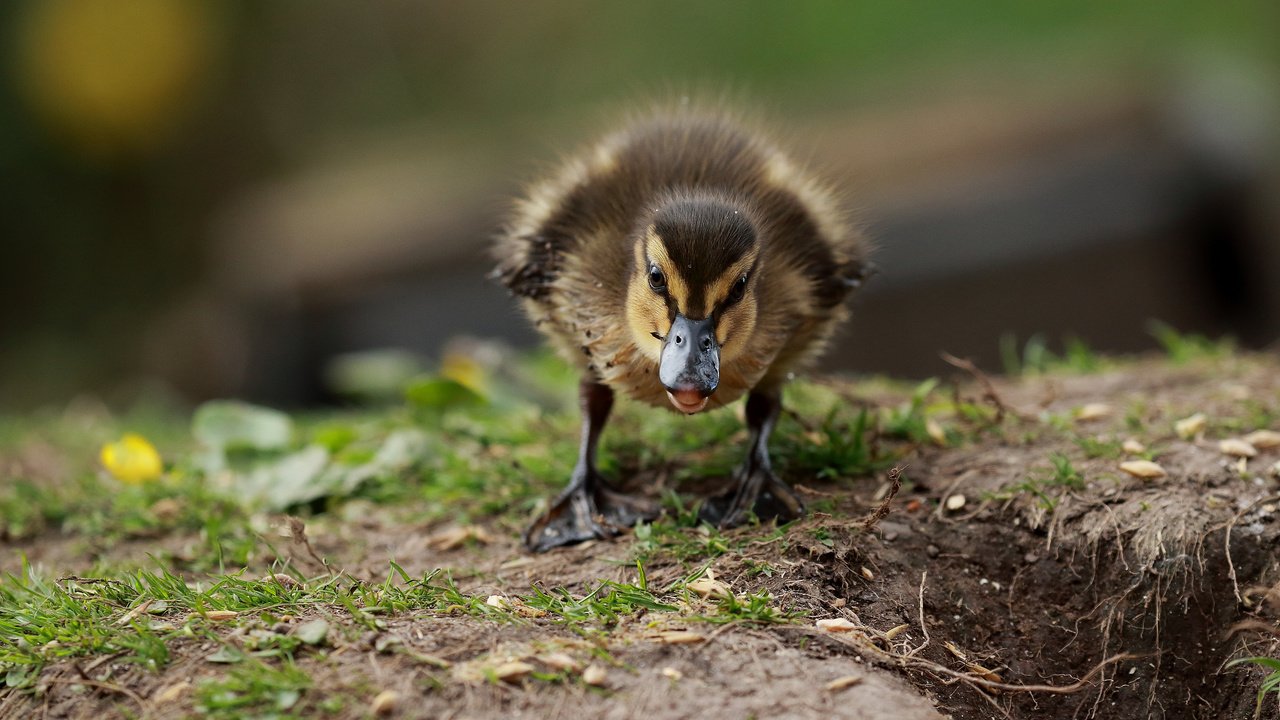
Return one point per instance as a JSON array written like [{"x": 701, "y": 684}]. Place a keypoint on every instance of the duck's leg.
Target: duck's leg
[
  {"x": 588, "y": 508},
  {"x": 758, "y": 490}
]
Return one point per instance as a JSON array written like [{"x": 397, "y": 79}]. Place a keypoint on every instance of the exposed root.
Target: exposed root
[
  {"x": 924, "y": 627},
  {"x": 1226, "y": 543}
]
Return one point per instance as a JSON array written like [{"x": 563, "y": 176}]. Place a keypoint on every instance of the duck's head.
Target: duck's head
[{"x": 691, "y": 300}]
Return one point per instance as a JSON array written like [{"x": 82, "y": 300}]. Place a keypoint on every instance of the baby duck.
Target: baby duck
[{"x": 682, "y": 261}]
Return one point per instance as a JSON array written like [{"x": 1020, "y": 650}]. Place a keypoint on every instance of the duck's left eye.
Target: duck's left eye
[
  {"x": 657, "y": 281},
  {"x": 739, "y": 289}
]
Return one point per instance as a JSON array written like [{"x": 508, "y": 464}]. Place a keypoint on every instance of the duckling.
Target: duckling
[{"x": 682, "y": 261}]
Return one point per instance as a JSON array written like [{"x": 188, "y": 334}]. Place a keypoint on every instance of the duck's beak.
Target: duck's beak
[{"x": 690, "y": 364}]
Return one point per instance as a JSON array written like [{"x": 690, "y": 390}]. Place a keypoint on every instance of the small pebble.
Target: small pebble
[{"x": 594, "y": 675}]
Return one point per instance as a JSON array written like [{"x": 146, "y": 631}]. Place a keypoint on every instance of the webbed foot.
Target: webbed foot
[
  {"x": 758, "y": 491},
  {"x": 587, "y": 510}
]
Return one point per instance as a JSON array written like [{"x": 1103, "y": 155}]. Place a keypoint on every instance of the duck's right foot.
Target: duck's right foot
[{"x": 587, "y": 510}]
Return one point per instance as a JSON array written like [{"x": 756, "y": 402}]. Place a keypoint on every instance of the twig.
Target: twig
[
  {"x": 988, "y": 388},
  {"x": 298, "y": 533},
  {"x": 895, "y": 484},
  {"x": 109, "y": 687},
  {"x": 924, "y": 627}
]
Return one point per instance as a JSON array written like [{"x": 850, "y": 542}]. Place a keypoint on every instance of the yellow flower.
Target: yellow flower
[{"x": 132, "y": 459}]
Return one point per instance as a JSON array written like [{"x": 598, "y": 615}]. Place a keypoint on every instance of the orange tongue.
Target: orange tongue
[{"x": 688, "y": 401}]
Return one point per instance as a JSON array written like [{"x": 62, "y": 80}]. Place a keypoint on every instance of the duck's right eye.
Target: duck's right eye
[{"x": 657, "y": 281}]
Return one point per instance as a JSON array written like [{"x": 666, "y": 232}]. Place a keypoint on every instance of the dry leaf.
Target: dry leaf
[
  {"x": 1263, "y": 439},
  {"x": 172, "y": 692},
  {"x": 129, "y": 616},
  {"x": 1093, "y": 411},
  {"x": 594, "y": 675},
  {"x": 836, "y": 625},
  {"x": 1190, "y": 427},
  {"x": 455, "y": 537},
  {"x": 935, "y": 431},
  {"x": 385, "y": 702},
  {"x": 991, "y": 675},
  {"x": 1143, "y": 469},
  {"x": 560, "y": 661},
  {"x": 679, "y": 637},
  {"x": 1133, "y": 447},
  {"x": 893, "y": 632},
  {"x": 1237, "y": 448},
  {"x": 706, "y": 587},
  {"x": 841, "y": 683},
  {"x": 512, "y": 671},
  {"x": 288, "y": 581}
]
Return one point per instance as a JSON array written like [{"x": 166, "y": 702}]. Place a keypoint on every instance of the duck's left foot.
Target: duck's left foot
[{"x": 758, "y": 492}]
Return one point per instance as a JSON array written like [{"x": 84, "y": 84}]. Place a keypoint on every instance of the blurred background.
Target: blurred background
[{"x": 230, "y": 198}]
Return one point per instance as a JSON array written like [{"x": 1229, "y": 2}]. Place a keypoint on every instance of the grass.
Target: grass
[
  {"x": 1270, "y": 684},
  {"x": 215, "y": 580},
  {"x": 1048, "y": 487}
]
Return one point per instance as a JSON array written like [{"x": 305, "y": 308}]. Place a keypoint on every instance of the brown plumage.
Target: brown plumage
[{"x": 682, "y": 261}]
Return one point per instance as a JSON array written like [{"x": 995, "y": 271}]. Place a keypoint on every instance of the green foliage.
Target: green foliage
[
  {"x": 908, "y": 419},
  {"x": 253, "y": 688},
  {"x": 1037, "y": 359},
  {"x": 1270, "y": 683},
  {"x": 230, "y": 425},
  {"x": 750, "y": 609},
  {"x": 838, "y": 447},
  {"x": 1099, "y": 447},
  {"x": 1187, "y": 347},
  {"x": 604, "y": 605},
  {"x": 1048, "y": 488},
  {"x": 47, "y": 621}
]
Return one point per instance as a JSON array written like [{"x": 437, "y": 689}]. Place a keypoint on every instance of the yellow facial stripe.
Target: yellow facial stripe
[
  {"x": 723, "y": 285},
  {"x": 657, "y": 253}
]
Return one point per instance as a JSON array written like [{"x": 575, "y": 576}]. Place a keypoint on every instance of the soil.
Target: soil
[{"x": 1116, "y": 597}]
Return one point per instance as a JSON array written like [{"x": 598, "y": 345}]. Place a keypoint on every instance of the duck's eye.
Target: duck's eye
[
  {"x": 739, "y": 289},
  {"x": 657, "y": 280}
]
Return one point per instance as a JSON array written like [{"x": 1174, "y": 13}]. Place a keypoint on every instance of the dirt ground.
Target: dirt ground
[{"x": 1037, "y": 596}]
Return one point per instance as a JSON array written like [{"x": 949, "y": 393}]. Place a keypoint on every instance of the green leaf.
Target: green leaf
[
  {"x": 314, "y": 632},
  {"x": 231, "y": 424},
  {"x": 438, "y": 393},
  {"x": 288, "y": 481},
  {"x": 226, "y": 655}
]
